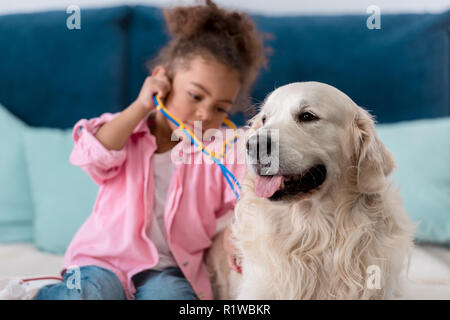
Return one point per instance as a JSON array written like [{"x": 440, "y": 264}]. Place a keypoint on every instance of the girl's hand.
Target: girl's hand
[
  {"x": 232, "y": 252},
  {"x": 158, "y": 83}
]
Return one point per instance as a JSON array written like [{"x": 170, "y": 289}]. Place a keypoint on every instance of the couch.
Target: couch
[{"x": 51, "y": 76}]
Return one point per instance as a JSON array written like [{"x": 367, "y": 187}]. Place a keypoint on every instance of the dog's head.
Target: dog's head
[{"x": 307, "y": 134}]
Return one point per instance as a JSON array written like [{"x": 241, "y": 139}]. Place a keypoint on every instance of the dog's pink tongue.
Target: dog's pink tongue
[{"x": 265, "y": 186}]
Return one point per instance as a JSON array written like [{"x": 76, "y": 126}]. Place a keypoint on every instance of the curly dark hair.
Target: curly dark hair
[{"x": 229, "y": 37}]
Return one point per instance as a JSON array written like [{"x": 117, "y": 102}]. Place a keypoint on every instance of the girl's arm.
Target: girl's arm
[{"x": 114, "y": 134}]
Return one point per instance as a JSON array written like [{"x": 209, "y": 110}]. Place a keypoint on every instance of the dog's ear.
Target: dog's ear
[{"x": 374, "y": 162}]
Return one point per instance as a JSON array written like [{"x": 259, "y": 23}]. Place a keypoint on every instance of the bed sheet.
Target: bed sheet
[{"x": 429, "y": 273}]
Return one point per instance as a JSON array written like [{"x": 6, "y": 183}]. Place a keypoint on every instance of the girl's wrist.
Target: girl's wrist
[{"x": 139, "y": 108}]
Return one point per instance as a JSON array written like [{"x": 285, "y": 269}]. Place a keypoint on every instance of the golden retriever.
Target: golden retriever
[{"x": 318, "y": 216}]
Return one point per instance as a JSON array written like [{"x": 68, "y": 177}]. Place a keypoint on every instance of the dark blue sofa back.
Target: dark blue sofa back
[{"x": 52, "y": 76}]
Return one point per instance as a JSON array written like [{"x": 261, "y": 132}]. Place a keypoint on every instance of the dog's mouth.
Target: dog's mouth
[{"x": 277, "y": 187}]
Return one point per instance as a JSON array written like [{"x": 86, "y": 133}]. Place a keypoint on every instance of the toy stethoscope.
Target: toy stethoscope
[{"x": 226, "y": 173}]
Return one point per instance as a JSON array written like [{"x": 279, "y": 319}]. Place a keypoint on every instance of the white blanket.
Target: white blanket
[{"x": 429, "y": 275}]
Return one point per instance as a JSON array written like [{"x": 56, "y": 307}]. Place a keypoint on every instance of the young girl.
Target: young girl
[{"x": 153, "y": 218}]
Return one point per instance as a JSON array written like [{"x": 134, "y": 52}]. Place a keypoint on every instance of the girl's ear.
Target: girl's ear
[
  {"x": 374, "y": 162},
  {"x": 159, "y": 70}
]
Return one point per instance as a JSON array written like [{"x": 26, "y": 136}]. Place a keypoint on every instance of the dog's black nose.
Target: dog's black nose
[{"x": 259, "y": 146}]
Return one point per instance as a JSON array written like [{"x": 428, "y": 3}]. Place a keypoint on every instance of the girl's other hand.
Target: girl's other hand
[
  {"x": 158, "y": 83},
  {"x": 232, "y": 252}
]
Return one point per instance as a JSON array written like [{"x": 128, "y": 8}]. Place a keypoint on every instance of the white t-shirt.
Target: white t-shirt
[{"x": 162, "y": 172}]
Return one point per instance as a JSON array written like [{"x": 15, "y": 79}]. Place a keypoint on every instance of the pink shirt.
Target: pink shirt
[{"x": 114, "y": 236}]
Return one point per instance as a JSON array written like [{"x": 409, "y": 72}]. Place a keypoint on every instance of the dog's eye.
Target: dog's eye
[
  {"x": 263, "y": 119},
  {"x": 307, "y": 117}
]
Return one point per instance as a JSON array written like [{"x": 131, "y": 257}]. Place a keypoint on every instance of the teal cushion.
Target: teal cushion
[
  {"x": 422, "y": 152},
  {"x": 16, "y": 207},
  {"x": 63, "y": 194}
]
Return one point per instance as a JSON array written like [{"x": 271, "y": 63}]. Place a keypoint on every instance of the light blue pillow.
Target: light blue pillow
[
  {"x": 422, "y": 152},
  {"x": 16, "y": 207},
  {"x": 63, "y": 194}
]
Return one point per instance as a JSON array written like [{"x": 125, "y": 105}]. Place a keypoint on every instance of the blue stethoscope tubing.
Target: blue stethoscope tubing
[{"x": 226, "y": 173}]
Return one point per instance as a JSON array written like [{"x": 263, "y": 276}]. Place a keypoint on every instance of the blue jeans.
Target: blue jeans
[{"x": 97, "y": 283}]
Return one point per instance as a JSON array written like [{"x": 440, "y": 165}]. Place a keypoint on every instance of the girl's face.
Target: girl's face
[{"x": 204, "y": 91}]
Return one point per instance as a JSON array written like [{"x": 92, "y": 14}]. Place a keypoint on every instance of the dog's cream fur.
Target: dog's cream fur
[{"x": 332, "y": 242}]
